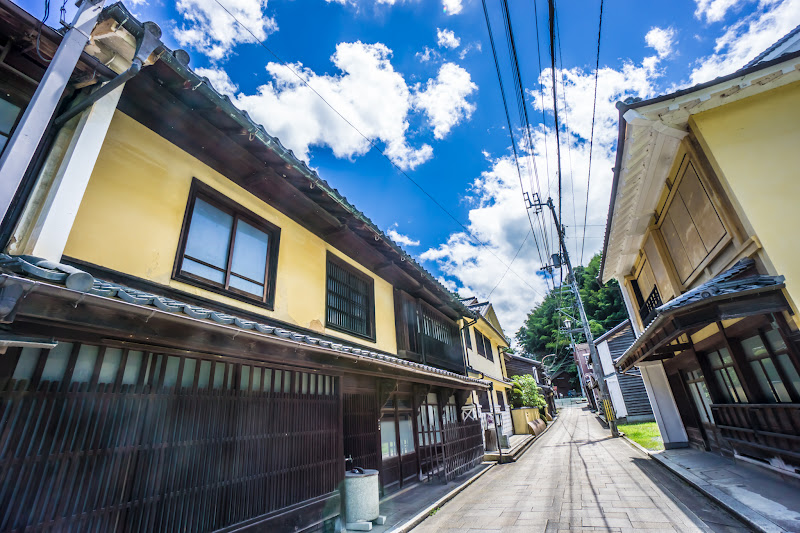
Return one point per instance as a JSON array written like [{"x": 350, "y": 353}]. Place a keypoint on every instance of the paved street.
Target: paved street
[{"x": 577, "y": 478}]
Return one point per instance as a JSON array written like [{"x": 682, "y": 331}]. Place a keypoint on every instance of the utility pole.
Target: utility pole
[{"x": 612, "y": 423}]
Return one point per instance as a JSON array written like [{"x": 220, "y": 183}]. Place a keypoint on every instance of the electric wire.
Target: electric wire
[
  {"x": 552, "y": 29},
  {"x": 522, "y": 110},
  {"x": 374, "y": 146},
  {"x": 528, "y": 234},
  {"x": 508, "y": 121},
  {"x": 591, "y": 136}
]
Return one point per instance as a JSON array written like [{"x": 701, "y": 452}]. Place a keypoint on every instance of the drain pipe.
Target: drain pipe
[
  {"x": 494, "y": 420},
  {"x": 150, "y": 41}
]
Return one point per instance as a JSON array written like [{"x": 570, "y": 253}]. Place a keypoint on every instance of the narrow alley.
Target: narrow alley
[{"x": 578, "y": 478}]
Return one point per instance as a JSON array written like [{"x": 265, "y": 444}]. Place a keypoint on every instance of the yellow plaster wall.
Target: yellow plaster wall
[
  {"x": 131, "y": 216},
  {"x": 494, "y": 368},
  {"x": 754, "y": 145}
]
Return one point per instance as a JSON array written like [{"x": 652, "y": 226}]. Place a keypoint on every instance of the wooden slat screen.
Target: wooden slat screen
[
  {"x": 105, "y": 439},
  {"x": 361, "y": 430},
  {"x": 349, "y": 300}
]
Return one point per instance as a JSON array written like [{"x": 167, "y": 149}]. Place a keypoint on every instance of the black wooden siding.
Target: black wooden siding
[{"x": 636, "y": 401}]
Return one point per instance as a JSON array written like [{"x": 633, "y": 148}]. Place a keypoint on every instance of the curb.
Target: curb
[
  {"x": 744, "y": 513},
  {"x": 422, "y": 515}
]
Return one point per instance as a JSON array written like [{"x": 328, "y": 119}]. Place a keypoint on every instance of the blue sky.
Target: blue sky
[{"x": 417, "y": 76}]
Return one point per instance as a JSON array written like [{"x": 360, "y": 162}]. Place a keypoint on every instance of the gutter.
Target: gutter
[{"x": 614, "y": 184}]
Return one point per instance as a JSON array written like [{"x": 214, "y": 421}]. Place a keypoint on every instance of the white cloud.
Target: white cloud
[
  {"x": 367, "y": 91},
  {"x": 219, "y": 80},
  {"x": 661, "y": 40},
  {"x": 715, "y": 10},
  {"x": 444, "y": 99},
  {"x": 447, "y": 39},
  {"x": 748, "y": 37},
  {"x": 497, "y": 215},
  {"x": 427, "y": 54},
  {"x": 468, "y": 48},
  {"x": 209, "y": 29},
  {"x": 452, "y": 7},
  {"x": 399, "y": 238}
]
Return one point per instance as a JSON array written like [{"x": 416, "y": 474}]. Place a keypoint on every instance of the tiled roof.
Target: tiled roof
[
  {"x": 760, "y": 57},
  {"x": 81, "y": 281},
  {"x": 479, "y": 308},
  {"x": 725, "y": 284},
  {"x": 203, "y": 85}
]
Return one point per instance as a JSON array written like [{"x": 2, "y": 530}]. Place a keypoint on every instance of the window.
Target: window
[
  {"x": 501, "y": 400},
  {"x": 483, "y": 398},
  {"x": 725, "y": 374},
  {"x": 691, "y": 226},
  {"x": 227, "y": 249},
  {"x": 699, "y": 392},
  {"x": 350, "y": 300},
  {"x": 483, "y": 345},
  {"x": 780, "y": 354},
  {"x": 9, "y": 114},
  {"x": 467, "y": 338},
  {"x": 762, "y": 364}
]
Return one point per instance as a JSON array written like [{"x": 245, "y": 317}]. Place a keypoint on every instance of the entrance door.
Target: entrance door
[
  {"x": 701, "y": 400},
  {"x": 398, "y": 449}
]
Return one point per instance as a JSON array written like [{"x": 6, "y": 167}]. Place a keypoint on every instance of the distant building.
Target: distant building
[{"x": 627, "y": 391}]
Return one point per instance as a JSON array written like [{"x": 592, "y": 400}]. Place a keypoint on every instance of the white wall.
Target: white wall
[{"x": 663, "y": 403}]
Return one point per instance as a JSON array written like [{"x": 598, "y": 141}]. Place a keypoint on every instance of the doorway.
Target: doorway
[{"x": 400, "y": 464}]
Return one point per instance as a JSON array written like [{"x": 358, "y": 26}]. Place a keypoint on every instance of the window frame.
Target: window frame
[
  {"x": 332, "y": 258},
  {"x": 219, "y": 201}
]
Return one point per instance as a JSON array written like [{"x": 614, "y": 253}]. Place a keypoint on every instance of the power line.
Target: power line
[
  {"x": 528, "y": 234},
  {"x": 552, "y": 27},
  {"x": 508, "y": 121},
  {"x": 591, "y": 137},
  {"x": 374, "y": 146}
]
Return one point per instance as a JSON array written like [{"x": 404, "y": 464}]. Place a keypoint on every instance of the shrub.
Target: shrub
[{"x": 526, "y": 393}]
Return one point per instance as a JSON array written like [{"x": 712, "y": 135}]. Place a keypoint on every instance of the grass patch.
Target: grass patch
[{"x": 645, "y": 434}]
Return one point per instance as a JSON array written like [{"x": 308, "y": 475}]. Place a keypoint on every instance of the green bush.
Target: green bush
[{"x": 526, "y": 393}]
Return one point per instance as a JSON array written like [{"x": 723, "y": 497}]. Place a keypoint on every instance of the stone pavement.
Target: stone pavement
[
  {"x": 577, "y": 478},
  {"x": 768, "y": 501}
]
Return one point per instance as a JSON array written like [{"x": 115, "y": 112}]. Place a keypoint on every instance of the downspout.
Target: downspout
[
  {"x": 494, "y": 420},
  {"x": 466, "y": 327},
  {"x": 148, "y": 44}
]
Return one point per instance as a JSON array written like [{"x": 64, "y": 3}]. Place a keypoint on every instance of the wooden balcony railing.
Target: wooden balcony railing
[
  {"x": 648, "y": 310},
  {"x": 761, "y": 430}
]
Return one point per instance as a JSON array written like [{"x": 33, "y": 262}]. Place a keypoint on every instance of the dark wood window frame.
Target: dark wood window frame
[
  {"x": 225, "y": 204},
  {"x": 331, "y": 258}
]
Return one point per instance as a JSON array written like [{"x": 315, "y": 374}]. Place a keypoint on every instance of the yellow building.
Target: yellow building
[
  {"x": 234, "y": 332},
  {"x": 702, "y": 238},
  {"x": 485, "y": 345}
]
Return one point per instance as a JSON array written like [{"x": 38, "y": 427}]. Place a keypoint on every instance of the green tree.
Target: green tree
[
  {"x": 526, "y": 393},
  {"x": 604, "y": 306}
]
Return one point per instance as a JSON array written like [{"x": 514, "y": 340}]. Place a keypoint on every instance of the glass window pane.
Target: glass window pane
[
  {"x": 763, "y": 382},
  {"x": 57, "y": 361},
  {"x": 84, "y": 364},
  {"x": 244, "y": 378},
  {"x": 250, "y": 252},
  {"x": 754, "y": 348},
  {"x": 790, "y": 371},
  {"x": 133, "y": 366},
  {"x": 205, "y": 374},
  {"x": 304, "y": 388},
  {"x": 8, "y": 116},
  {"x": 777, "y": 382},
  {"x": 724, "y": 386},
  {"x": 698, "y": 402},
  {"x": 388, "y": 437},
  {"x": 257, "y": 378},
  {"x": 247, "y": 286},
  {"x": 219, "y": 375},
  {"x": 171, "y": 371},
  {"x": 267, "y": 380},
  {"x": 406, "y": 434},
  {"x": 111, "y": 361},
  {"x": 737, "y": 386},
  {"x": 775, "y": 340},
  {"x": 209, "y": 234},
  {"x": 193, "y": 267},
  {"x": 26, "y": 365},
  {"x": 726, "y": 356},
  {"x": 715, "y": 360},
  {"x": 187, "y": 378}
]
